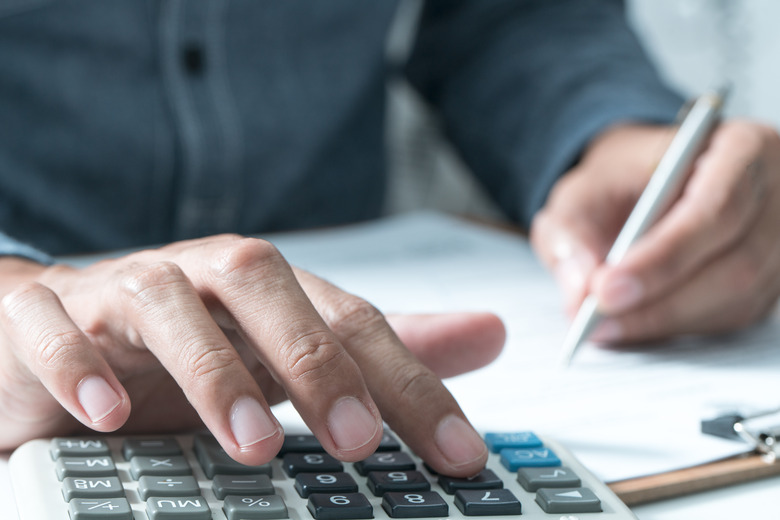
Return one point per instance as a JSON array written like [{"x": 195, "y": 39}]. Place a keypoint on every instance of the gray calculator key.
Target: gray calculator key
[
  {"x": 254, "y": 507},
  {"x": 533, "y": 479},
  {"x": 167, "y": 466},
  {"x": 424, "y": 504},
  {"x": 68, "y": 447},
  {"x": 487, "y": 502},
  {"x": 337, "y": 482},
  {"x": 485, "y": 479},
  {"x": 158, "y": 486},
  {"x": 178, "y": 508},
  {"x": 257, "y": 484},
  {"x": 91, "y": 487},
  {"x": 84, "y": 467},
  {"x": 155, "y": 447},
  {"x": 100, "y": 509},
  {"x": 215, "y": 460},
  {"x": 385, "y": 461},
  {"x": 568, "y": 500},
  {"x": 343, "y": 506}
]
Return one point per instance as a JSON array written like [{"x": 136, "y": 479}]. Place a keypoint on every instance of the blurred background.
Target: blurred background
[{"x": 695, "y": 44}]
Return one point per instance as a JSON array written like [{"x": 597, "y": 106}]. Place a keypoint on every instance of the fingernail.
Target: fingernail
[
  {"x": 251, "y": 423},
  {"x": 607, "y": 330},
  {"x": 458, "y": 441},
  {"x": 620, "y": 293},
  {"x": 351, "y": 424},
  {"x": 97, "y": 398}
]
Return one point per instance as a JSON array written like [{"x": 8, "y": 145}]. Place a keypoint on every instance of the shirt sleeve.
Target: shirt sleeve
[
  {"x": 12, "y": 247},
  {"x": 522, "y": 86}
]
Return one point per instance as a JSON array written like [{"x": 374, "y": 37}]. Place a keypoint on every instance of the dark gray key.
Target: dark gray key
[
  {"x": 294, "y": 463},
  {"x": 339, "y": 482},
  {"x": 84, "y": 467},
  {"x": 485, "y": 479},
  {"x": 388, "y": 443},
  {"x": 166, "y": 466},
  {"x": 385, "y": 461},
  {"x": 214, "y": 460},
  {"x": 178, "y": 508},
  {"x": 150, "y": 447},
  {"x": 91, "y": 487},
  {"x": 487, "y": 502},
  {"x": 69, "y": 447},
  {"x": 568, "y": 500},
  {"x": 381, "y": 482},
  {"x": 158, "y": 486},
  {"x": 253, "y": 507},
  {"x": 100, "y": 509},
  {"x": 425, "y": 504},
  {"x": 257, "y": 484},
  {"x": 301, "y": 444},
  {"x": 343, "y": 506},
  {"x": 533, "y": 479}
]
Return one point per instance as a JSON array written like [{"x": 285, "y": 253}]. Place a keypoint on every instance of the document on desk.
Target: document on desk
[{"x": 624, "y": 412}]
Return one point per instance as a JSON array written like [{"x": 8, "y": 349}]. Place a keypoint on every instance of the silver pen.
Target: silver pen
[{"x": 663, "y": 188}]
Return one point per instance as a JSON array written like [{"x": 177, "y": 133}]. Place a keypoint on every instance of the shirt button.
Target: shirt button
[{"x": 193, "y": 59}]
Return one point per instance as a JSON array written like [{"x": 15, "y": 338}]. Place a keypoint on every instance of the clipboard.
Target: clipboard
[{"x": 761, "y": 430}]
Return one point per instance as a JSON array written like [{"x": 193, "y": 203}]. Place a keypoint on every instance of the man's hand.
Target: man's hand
[
  {"x": 711, "y": 264},
  {"x": 212, "y": 332}
]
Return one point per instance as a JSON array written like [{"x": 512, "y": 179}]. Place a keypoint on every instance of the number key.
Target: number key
[
  {"x": 346, "y": 506},
  {"x": 487, "y": 502},
  {"x": 340, "y": 482},
  {"x": 381, "y": 482},
  {"x": 425, "y": 504}
]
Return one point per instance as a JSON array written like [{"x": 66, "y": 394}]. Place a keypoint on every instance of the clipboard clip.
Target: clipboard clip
[{"x": 759, "y": 429}]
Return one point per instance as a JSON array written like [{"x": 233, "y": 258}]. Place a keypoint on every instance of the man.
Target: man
[{"x": 130, "y": 123}]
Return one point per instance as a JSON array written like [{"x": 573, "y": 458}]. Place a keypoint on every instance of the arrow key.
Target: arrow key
[{"x": 568, "y": 500}]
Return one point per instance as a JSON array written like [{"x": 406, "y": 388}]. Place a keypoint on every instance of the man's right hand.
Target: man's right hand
[{"x": 216, "y": 330}]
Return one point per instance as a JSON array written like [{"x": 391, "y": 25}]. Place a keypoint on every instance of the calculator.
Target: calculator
[{"x": 190, "y": 477}]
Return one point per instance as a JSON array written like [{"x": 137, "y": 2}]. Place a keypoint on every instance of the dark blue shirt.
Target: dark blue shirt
[{"x": 132, "y": 122}]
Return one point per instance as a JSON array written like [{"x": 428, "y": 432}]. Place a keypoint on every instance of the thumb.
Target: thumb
[{"x": 452, "y": 343}]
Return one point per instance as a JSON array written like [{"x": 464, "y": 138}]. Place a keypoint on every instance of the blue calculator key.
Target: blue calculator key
[
  {"x": 500, "y": 441},
  {"x": 514, "y": 459}
]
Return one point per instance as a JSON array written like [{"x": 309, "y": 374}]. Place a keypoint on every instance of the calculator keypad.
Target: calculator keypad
[{"x": 200, "y": 481}]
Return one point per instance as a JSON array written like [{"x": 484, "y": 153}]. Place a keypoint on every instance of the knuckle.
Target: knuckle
[
  {"x": 208, "y": 363},
  {"x": 242, "y": 255},
  {"x": 415, "y": 383},
  {"x": 53, "y": 348},
  {"x": 153, "y": 279},
  {"x": 352, "y": 316},
  {"x": 22, "y": 297},
  {"x": 312, "y": 358}
]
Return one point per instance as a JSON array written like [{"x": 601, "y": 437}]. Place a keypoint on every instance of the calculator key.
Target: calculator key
[
  {"x": 425, "y": 504},
  {"x": 65, "y": 447},
  {"x": 84, "y": 467},
  {"x": 91, "y": 487},
  {"x": 534, "y": 478},
  {"x": 344, "y": 506},
  {"x": 150, "y": 447},
  {"x": 388, "y": 443},
  {"x": 517, "y": 440},
  {"x": 339, "y": 482},
  {"x": 182, "y": 486},
  {"x": 485, "y": 479},
  {"x": 214, "y": 460},
  {"x": 568, "y": 500},
  {"x": 100, "y": 509},
  {"x": 257, "y": 484},
  {"x": 385, "y": 461},
  {"x": 300, "y": 444},
  {"x": 294, "y": 463},
  {"x": 513, "y": 459},
  {"x": 243, "y": 507},
  {"x": 487, "y": 502},
  {"x": 381, "y": 482},
  {"x": 174, "y": 465},
  {"x": 175, "y": 508}
]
